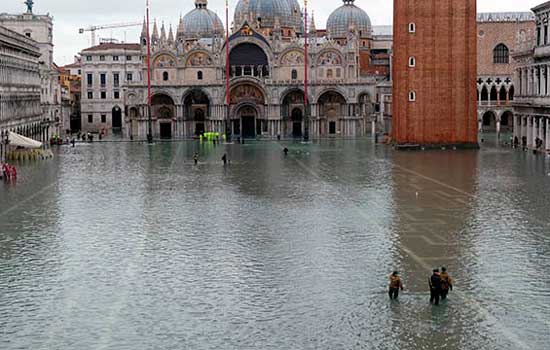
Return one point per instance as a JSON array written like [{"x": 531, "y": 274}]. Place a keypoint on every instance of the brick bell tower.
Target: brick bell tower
[{"x": 434, "y": 73}]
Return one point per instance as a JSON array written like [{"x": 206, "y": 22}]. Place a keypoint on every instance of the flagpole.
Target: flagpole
[
  {"x": 306, "y": 102},
  {"x": 227, "y": 71},
  {"x": 149, "y": 110}
]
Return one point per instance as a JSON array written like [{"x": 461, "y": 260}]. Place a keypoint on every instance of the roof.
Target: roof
[
  {"x": 72, "y": 65},
  {"x": 542, "y": 6},
  {"x": 113, "y": 46},
  {"x": 382, "y": 30},
  {"x": 505, "y": 17}
]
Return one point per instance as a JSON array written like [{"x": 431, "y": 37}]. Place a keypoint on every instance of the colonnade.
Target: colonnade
[
  {"x": 532, "y": 127},
  {"x": 534, "y": 80}
]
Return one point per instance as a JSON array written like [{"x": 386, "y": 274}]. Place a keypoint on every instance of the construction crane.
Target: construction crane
[{"x": 92, "y": 29}]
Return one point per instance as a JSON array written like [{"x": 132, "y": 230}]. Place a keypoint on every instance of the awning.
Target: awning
[{"x": 22, "y": 141}]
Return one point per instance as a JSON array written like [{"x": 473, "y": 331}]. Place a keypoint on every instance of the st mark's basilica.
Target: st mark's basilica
[{"x": 348, "y": 64}]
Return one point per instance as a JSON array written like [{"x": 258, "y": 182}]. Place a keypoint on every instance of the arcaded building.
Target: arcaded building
[
  {"x": 267, "y": 64},
  {"x": 499, "y": 34},
  {"x": 532, "y": 78},
  {"x": 434, "y": 73}
]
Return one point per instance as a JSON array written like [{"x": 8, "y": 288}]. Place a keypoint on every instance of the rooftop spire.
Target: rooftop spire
[
  {"x": 162, "y": 33},
  {"x": 170, "y": 36},
  {"x": 155, "y": 35}
]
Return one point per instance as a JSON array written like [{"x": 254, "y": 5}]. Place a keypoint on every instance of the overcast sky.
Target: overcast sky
[{"x": 70, "y": 15}]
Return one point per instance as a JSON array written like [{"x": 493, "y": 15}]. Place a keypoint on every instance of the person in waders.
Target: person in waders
[
  {"x": 196, "y": 158},
  {"x": 224, "y": 159},
  {"x": 395, "y": 285},
  {"x": 446, "y": 283},
  {"x": 435, "y": 287}
]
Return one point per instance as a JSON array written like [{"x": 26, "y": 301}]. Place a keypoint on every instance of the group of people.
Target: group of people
[
  {"x": 539, "y": 143},
  {"x": 440, "y": 282},
  {"x": 9, "y": 172},
  {"x": 225, "y": 160}
]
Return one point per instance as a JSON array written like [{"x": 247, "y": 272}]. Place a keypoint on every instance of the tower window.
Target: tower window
[
  {"x": 294, "y": 74},
  {"x": 412, "y": 27},
  {"x": 165, "y": 76},
  {"x": 199, "y": 75},
  {"x": 412, "y": 96},
  {"x": 412, "y": 62}
]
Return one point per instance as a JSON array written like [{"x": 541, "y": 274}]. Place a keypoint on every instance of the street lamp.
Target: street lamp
[{"x": 4, "y": 142}]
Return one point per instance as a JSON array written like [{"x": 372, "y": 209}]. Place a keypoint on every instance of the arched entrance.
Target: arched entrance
[
  {"x": 489, "y": 121},
  {"x": 297, "y": 123},
  {"x": 196, "y": 106},
  {"x": 164, "y": 111},
  {"x": 331, "y": 105},
  {"x": 117, "y": 118},
  {"x": 292, "y": 112},
  {"x": 248, "y": 101},
  {"x": 506, "y": 121}
]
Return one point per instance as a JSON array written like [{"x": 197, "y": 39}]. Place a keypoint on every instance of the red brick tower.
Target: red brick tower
[{"x": 434, "y": 72}]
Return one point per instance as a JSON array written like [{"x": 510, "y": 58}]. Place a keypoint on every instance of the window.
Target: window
[
  {"x": 115, "y": 58},
  {"x": 90, "y": 118},
  {"x": 79, "y": 72},
  {"x": 199, "y": 75},
  {"x": 103, "y": 118},
  {"x": 165, "y": 76},
  {"x": 412, "y": 96},
  {"x": 329, "y": 73},
  {"x": 501, "y": 54},
  {"x": 128, "y": 58},
  {"x": 28, "y": 34},
  {"x": 412, "y": 27},
  {"x": 116, "y": 79},
  {"x": 103, "y": 95},
  {"x": 88, "y": 58},
  {"x": 116, "y": 94},
  {"x": 294, "y": 74},
  {"x": 129, "y": 76},
  {"x": 412, "y": 62},
  {"x": 545, "y": 34},
  {"x": 90, "y": 95},
  {"x": 102, "y": 58},
  {"x": 90, "y": 79},
  {"x": 103, "y": 79}
]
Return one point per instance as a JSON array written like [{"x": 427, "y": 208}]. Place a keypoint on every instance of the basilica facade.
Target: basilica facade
[{"x": 266, "y": 42}]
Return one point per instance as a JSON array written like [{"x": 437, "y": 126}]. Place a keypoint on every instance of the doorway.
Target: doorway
[
  {"x": 248, "y": 127},
  {"x": 117, "y": 118},
  {"x": 165, "y": 130},
  {"x": 297, "y": 123},
  {"x": 332, "y": 128}
]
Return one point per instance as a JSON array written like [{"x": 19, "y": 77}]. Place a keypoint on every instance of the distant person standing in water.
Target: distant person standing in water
[
  {"x": 196, "y": 158},
  {"x": 435, "y": 287},
  {"x": 395, "y": 285},
  {"x": 446, "y": 283},
  {"x": 224, "y": 159},
  {"x": 285, "y": 151}
]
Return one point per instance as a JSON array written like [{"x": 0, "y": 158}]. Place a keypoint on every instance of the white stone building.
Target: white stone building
[
  {"x": 40, "y": 29},
  {"x": 532, "y": 81},
  {"x": 20, "y": 109},
  {"x": 105, "y": 70}
]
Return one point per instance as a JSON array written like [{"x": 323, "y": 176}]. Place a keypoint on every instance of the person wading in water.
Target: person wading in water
[
  {"x": 446, "y": 283},
  {"x": 395, "y": 285},
  {"x": 435, "y": 287}
]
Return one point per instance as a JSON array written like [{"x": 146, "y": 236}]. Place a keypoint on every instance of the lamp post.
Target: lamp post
[{"x": 149, "y": 112}]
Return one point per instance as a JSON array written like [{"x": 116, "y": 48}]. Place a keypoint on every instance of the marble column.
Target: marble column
[
  {"x": 529, "y": 130},
  {"x": 547, "y": 146},
  {"x": 516, "y": 126}
]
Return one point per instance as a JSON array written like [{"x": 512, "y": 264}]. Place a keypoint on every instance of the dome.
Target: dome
[
  {"x": 287, "y": 11},
  {"x": 347, "y": 15},
  {"x": 201, "y": 22}
]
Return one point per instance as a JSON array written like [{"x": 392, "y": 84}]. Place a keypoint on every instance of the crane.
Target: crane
[{"x": 92, "y": 29}]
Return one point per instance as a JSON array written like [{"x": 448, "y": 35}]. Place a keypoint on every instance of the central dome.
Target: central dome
[
  {"x": 201, "y": 22},
  {"x": 266, "y": 11},
  {"x": 348, "y": 16}
]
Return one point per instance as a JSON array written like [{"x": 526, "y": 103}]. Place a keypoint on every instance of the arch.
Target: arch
[
  {"x": 292, "y": 57},
  {"x": 506, "y": 119},
  {"x": 194, "y": 100},
  {"x": 484, "y": 93},
  {"x": 330, "y": 108},
  {"x": 489, "y": 120},
  {"x": 294, "y": 74},
  {"x": 198, "y": 58},
  {"x": 248, "y": 92},
  {"x": 511, "y": 93},
  {"x": 297, "y": 117},
  {"x": 329, "y": 57},
  {"x": 334, "y": 90},
  {"x": 251, "y": 57},
  {"x": 501, "y": 54},
  {"x": 164, "y": 60},
  {"x": 199, "y": 75},
  {"x": 502, "y": 94}
]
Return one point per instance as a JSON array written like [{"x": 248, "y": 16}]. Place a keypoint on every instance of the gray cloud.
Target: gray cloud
[{"x": 69, "y": 16}]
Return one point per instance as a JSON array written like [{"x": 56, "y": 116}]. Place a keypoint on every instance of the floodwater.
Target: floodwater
[{"x": 130, "y": 246}]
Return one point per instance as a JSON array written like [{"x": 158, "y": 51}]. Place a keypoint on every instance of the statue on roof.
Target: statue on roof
[{"x": 29, "y": 4}]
